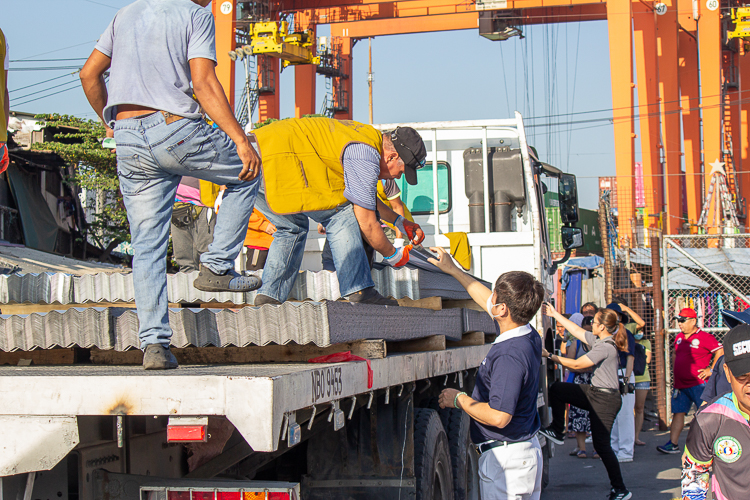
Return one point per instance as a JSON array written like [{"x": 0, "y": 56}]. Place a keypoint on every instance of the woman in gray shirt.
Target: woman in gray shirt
[{"x": 602, "y": 398}]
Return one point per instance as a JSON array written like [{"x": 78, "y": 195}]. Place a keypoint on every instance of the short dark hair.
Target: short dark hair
[
  {"x": 521, "y": 293},
  {"x": 589, "y": 304}
]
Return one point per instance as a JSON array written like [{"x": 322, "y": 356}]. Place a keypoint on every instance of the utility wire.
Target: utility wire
[
  {"x": 58, "y": 50},
  {"x": 46, "y": 68},
  {"x": 46, "y": 60},
  {"x": 39, "y": 83},
  {"x": 44, "y": 97},
  {"x": 45, "y": 90}
]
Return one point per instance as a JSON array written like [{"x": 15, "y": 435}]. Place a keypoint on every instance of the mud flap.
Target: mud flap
[{"x": 31, "y": 443}]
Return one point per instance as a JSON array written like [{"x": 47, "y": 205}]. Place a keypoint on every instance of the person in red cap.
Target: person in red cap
[{"x": 694, "y": 356}]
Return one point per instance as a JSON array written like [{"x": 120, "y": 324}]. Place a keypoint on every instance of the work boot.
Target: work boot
[
  {"x": 261, "y": 299},
  {"x": 158, "y": 357},
  {"x": 230, "y": 281},
  {"x": 371, "y": 296}
]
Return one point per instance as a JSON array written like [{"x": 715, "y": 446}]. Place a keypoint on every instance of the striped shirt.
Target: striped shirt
[{"x": 361, "y": 171}]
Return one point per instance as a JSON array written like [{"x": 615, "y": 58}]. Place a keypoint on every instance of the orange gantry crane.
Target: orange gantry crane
[{"x": 686, "y": 56}]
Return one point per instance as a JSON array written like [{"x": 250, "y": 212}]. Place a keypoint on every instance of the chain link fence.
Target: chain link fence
[{"x": 707, "y": 273}]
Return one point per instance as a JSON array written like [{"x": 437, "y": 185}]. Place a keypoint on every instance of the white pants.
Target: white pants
[
  {"x": 623, "y": 430},
  {"x": 511, "y": 472}
]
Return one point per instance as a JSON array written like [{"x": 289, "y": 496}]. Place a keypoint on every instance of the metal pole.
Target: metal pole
[
  {"x": 369, "y": 75},
  {"x": 247, "y": 89},
  {"x": 436, "y": 201},
  {"x": 659, "y": 335},
  {"x": 708, "y": 271},
  {"x": 606, "y": 251},
  {"x": 486, "y": 178},
  {"x": 665, "y": 318}
]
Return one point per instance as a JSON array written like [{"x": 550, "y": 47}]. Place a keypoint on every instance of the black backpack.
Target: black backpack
[{"x": 639, "y": 363}]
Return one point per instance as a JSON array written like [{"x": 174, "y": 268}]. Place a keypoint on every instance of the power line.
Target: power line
[
  {"x": 46, "y": 60},
  {"x": 45, "y": 90},
  {"x": 44, "y": 97},
  {"x": 58, "y": 50},
  {"x": 102, "y": 4},
  {"x": 46, "y": 68},
  {"x": 39, "y": 83}
]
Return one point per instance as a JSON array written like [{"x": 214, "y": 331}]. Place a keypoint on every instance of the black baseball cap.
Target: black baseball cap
[
  {"x": 410, "y": 148},
  {"x": 737, "y": 350}
]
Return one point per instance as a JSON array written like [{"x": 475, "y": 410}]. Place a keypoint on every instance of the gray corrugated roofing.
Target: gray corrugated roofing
[
  {"x": 322, "y": 324},
  {"x": 58, "y": 288},
  {"x": 719, "y": 260}
]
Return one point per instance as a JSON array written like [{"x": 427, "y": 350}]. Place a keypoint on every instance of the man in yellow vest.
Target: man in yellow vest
[
  {"x": 328, "y": 170},
  {"x": 5, "y": 111}
]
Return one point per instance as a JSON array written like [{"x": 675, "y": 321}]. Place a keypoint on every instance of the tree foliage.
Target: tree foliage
[{"x": 79, "y": 142}]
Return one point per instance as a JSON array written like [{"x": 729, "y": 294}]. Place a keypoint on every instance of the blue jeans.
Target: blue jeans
[
  {"x": 152, "y": 157},
  {"x": 285, "y": 255}
]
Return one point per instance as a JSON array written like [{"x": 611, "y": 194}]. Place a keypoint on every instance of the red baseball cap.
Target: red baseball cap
[{"x": 687, "y": 313}]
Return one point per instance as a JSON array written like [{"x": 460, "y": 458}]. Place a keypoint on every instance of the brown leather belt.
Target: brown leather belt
[{"x": 170, "y": 118}]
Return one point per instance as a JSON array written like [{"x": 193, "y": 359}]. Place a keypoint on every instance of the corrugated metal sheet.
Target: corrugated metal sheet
[
  {"x": 58, "y": 288},
  {"x": 728, "y": 261},
  {"x": 322, "y": 324},
  {"x": 477, "y": 321}
]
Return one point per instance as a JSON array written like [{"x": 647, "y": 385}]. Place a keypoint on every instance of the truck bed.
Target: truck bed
[{"x": 255, "y": 397}]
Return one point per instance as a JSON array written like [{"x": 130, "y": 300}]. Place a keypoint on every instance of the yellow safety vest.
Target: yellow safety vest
[
  {"x": 3, "y": 86},
  {"x": 302, "y": 161}
]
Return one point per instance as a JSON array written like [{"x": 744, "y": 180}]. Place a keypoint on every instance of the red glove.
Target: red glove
[
  {"x": 411, "y": 229},
  {"x": 400, "y": 258},
  {"x": 4, "y": 160}
]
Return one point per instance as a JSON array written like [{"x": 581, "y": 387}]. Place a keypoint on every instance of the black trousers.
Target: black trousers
[{"x": 603, "y": 408}]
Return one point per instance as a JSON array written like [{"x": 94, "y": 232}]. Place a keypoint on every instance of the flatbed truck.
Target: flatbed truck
[{"x": 291, "y": 430}]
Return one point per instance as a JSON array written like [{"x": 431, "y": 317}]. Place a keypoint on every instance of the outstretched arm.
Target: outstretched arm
[
  {"x": 574, "y": 329},
  {"x": 478, "y": 291}
]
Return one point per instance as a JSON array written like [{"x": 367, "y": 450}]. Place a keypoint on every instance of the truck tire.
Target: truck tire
[
  {"x": 464, "y": 458},
  {"x": 432, "y": 461}
]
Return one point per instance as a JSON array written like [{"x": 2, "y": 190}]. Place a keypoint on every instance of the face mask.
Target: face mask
[
  {"x": 490, "y": 305},
  {"x": 638, "y": 336}
]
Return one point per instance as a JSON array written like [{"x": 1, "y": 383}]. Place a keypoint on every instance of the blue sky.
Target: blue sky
[{"x": 555, "y": 70}]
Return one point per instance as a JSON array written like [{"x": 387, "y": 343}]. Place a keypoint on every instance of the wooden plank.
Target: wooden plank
[
  {"x": 433, "y": 343},
  {"x": 43, "y": 308},
  {"x": 39, "y": 357},
  {"x": 434, "y": 303},
  {"x": 469, "y": 339},
  {"x": 489, "y": 338},
  {"x": 468, "y": 304},
  {"x": 369, "y": 349}
]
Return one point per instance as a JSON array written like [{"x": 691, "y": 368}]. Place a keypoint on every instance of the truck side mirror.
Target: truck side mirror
[
  {"x": 568, "y": 197},
  {"x": 572, "y": 237}
]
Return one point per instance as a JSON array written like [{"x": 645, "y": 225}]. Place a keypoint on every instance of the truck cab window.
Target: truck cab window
[{"x": 419, "y": 199}]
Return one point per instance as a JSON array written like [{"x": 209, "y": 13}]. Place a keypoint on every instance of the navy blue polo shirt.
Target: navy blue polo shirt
[{"x": 508, "y": 379}]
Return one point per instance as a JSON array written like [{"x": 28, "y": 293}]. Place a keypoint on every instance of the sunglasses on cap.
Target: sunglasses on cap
[
  {"x": 682, "y": 319},
  {"x": 417, "y": 164}
]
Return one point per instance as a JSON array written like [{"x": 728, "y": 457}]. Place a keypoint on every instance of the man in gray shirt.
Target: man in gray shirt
[{"x": 158, "y": 54}]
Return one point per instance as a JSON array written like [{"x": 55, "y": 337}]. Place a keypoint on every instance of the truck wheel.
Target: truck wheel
[
  {"x": 432, "y": 461},
  {"x": 463, "y": 457}
]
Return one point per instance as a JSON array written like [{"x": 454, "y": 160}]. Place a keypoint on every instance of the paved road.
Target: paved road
[{"x": 651, "y": 475}]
